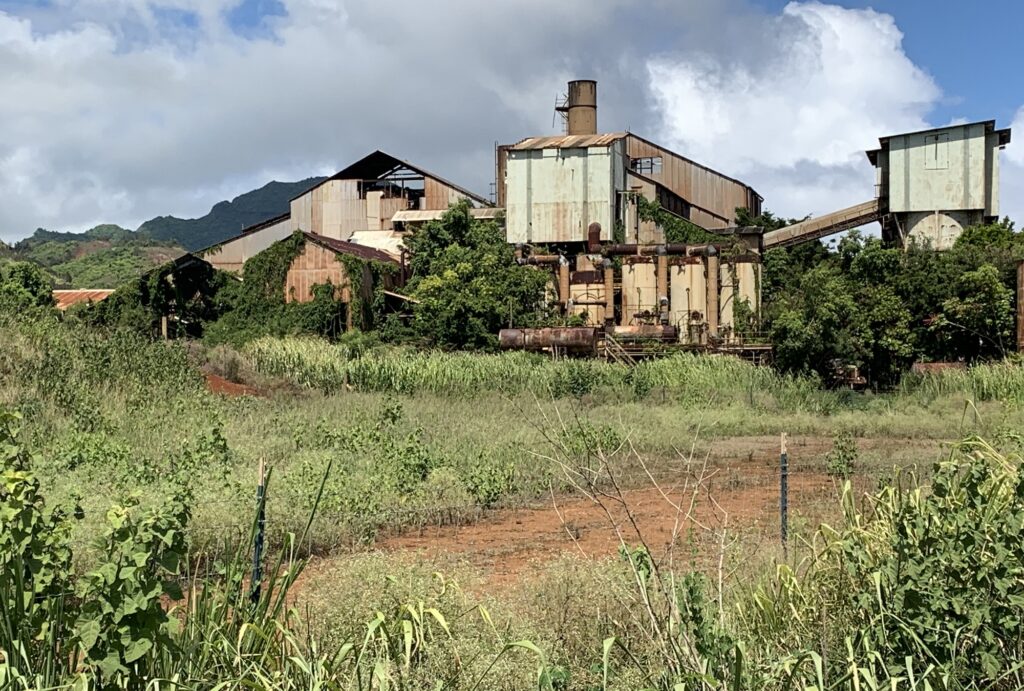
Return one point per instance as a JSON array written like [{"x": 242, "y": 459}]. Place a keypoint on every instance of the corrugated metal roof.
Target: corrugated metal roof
[
  {"x": 420, "y": 216},
  {"x": 378, "y": 164},
  {"x": 269, "y": 222},
  {"x": 356, "y": 250},
  {"x": 387, "y": 241},
  {"x": 66, "y": 298},
  {"x": 576, "y": 141}
]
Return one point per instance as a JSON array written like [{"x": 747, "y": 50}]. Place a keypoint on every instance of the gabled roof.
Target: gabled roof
[
  {"x": 350, "y": 248},
  {"x": 378, "y": 164}
]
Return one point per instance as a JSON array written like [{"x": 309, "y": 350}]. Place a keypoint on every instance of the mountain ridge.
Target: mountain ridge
[
  {"x": 108, "y": 255},
  {"x": 227, "y": 218}
]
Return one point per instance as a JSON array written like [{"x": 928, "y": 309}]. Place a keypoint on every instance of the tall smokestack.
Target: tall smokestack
[{"x": 582, "y": 106}]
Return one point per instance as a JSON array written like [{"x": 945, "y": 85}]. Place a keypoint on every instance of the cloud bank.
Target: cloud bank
[{"x": 120, "y": 110}]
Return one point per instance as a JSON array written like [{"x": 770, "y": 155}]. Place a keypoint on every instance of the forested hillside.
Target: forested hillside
[
  {"x": 108, "y": 255},
  {"x": 227, "y": 218},
  {"x": 103, "y": 257}
]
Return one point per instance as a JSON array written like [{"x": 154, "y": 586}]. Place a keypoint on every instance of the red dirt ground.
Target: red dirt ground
[
  {"x": 508, "y": 545},
  {"x": 512, "y": 543},
  {"x": 218, "y": 384}
]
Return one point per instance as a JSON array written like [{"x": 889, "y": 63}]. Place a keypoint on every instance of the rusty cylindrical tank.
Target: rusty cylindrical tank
[
  {"x": 572, "y": 339},
  {"x": 639, "y": 289},
  {"x": 687, "y": 297},
  {"x": 586, "y": 290}
]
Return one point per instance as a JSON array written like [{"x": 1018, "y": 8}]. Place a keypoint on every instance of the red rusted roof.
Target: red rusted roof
[
  {"x": 66, "y": 298},
  {"x": 354, "y": 249},
  {"x": 568, "y": 141}
]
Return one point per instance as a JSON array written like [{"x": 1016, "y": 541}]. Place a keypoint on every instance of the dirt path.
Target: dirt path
[
  {"x": 218, "y": 384},
  {"x": 511, "y": 543},
  {"x": 742, "y": 484}
]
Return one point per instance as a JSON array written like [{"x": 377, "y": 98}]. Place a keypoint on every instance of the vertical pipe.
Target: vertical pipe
[
  {"x": 711, "y": 270},
  {"x": 563, "y": 282},
  {"x": 662, "y": 277},
  {"x": 661, "y": 280},
  {"x": 784, "y": 493},
  {"x": 609, "y": 292},
  {"x": 1020, "y": 306}
]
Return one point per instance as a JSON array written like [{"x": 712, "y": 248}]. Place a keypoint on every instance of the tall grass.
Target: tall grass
[
  {"x": 686, "y": 377},
  {"x": 1001, "y": 381}
]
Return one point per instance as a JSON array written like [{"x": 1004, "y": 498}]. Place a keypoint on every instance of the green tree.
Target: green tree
[
  {"x": 977, "y": 321},
  {"x": 23, "y": 285},
  {"x": 468, "y": 284}
]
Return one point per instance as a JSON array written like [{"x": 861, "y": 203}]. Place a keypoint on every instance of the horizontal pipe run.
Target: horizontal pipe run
[{"x": 673, "y": 248}]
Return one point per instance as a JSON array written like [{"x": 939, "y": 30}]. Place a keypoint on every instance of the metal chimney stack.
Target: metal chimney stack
[{"x": 581, "y": 106}]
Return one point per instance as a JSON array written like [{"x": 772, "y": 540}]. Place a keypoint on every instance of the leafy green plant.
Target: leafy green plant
[
  {"x": 35, "y": 570},
  {"x": 842, "y": 458},
  {"x": 122, "y": 623}
]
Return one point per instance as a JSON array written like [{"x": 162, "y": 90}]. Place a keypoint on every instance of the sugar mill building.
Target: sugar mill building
[
  {"x": 934, "y": 183},
  {"x": 578, "y": 196},
  {"x": 369, "y": 202}
]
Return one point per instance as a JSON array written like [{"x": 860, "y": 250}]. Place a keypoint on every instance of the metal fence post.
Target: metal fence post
[
  {"x": 261, "y": 523},
  {"x": 784, "y": 492}
]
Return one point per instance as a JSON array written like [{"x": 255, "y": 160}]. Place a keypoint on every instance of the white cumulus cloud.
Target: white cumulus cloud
[{"x": 795, "y": 120}]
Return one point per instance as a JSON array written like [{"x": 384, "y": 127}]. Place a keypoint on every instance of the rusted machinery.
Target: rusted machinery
[{"x": 697, "y": 290}]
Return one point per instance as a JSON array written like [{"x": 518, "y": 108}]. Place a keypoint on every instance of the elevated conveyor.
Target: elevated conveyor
[{"x": 822, "y": 226}]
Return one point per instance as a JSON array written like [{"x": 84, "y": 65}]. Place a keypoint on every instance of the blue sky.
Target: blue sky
[{"x": 128, "y": 109}]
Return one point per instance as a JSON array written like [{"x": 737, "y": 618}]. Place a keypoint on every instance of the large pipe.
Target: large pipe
[
  {"x": 563, "y": 282},
  {"x": 712, "y": 292},
  {"x": 594, "y": 237},
  {"x": 540, "y": 259},
  {"x": 661, "y": 283},
  {"x": 673, "y": 248},
  {"x": 576, "y": 339},
  {"x": 662, "y": 276},
  {"x": 582, "y": 107},
  {"x": 609, "y": 292}
]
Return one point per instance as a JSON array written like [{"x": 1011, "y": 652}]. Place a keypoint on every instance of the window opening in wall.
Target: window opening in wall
[{"x": 647, "y": 165}]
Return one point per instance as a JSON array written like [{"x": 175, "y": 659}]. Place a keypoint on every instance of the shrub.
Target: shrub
[{"x": 840, "y": 460}]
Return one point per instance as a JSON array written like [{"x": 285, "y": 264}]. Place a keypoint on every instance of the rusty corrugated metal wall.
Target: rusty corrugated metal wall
[
  {"x": 232, "y": 255},
  {"x": 313, "y": 266},
  {"x": 714, "y": 197}
]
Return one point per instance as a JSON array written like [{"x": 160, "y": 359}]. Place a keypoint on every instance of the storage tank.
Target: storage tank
[
  {"x": 587, "y": 294},
  {"x": 687, "y": 297},
  {"x": 639, "y": 290}
]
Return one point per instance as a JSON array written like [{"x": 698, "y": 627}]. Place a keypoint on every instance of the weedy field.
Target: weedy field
[{"x": 462, "y": 521}]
